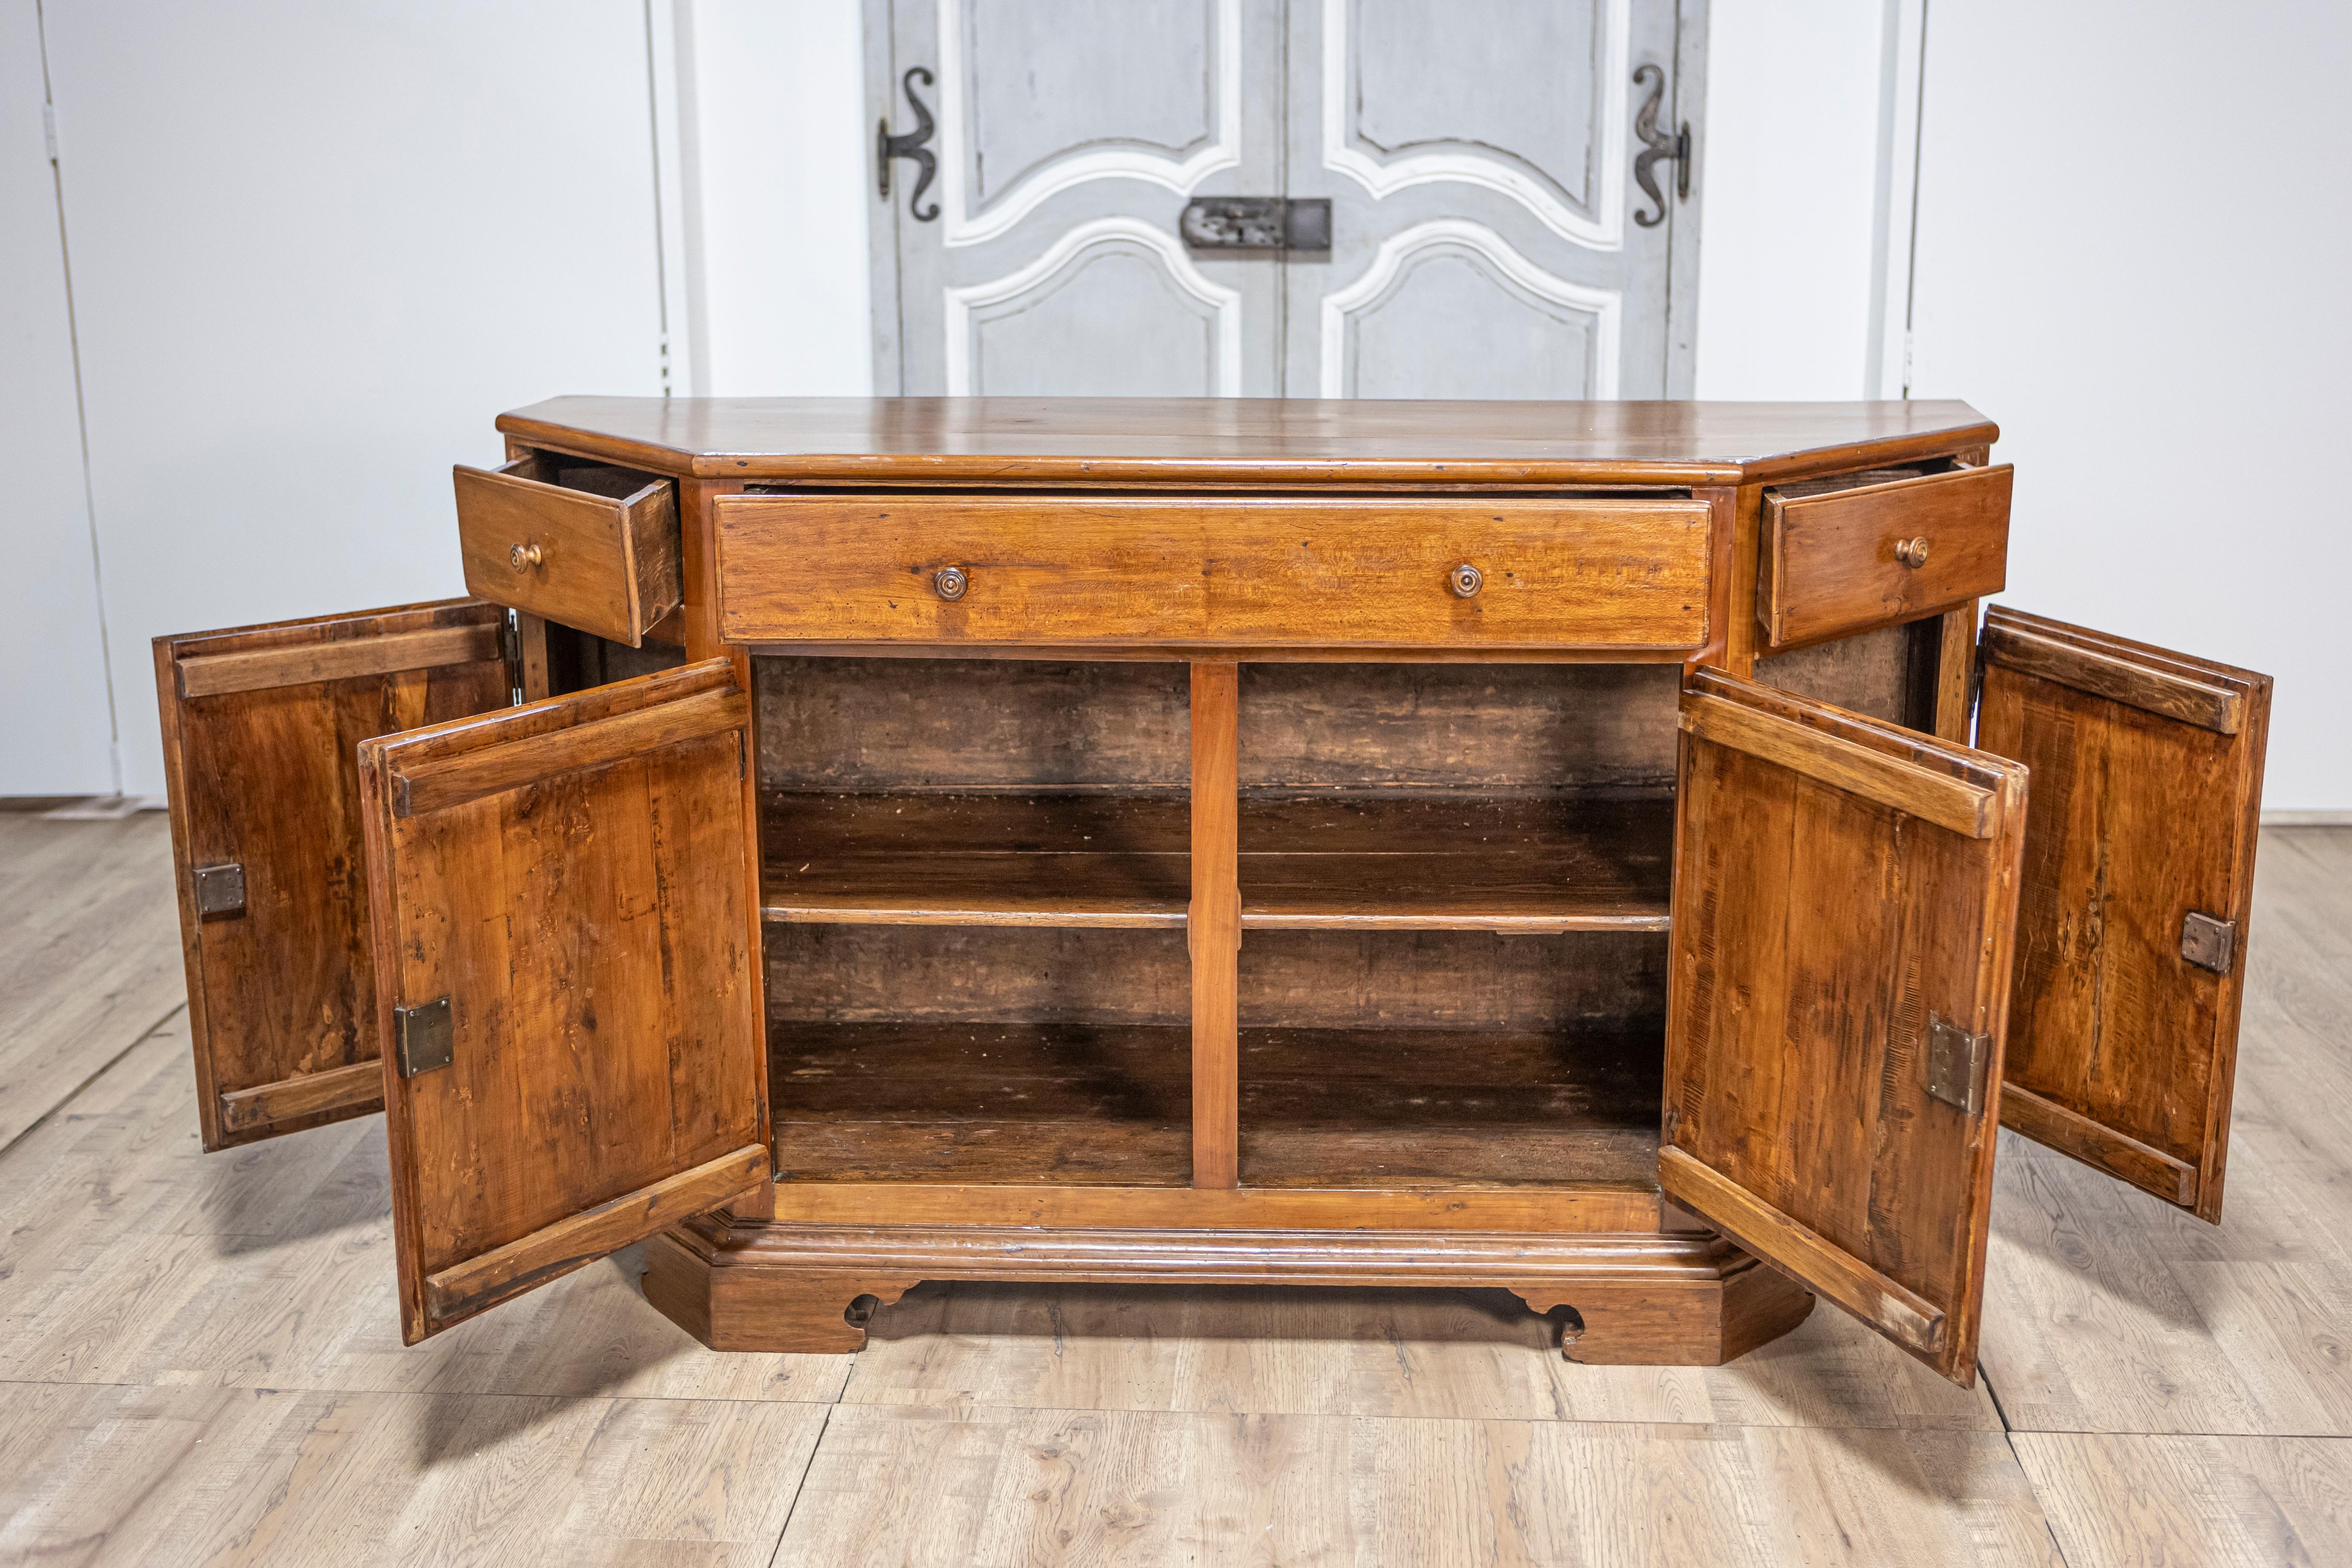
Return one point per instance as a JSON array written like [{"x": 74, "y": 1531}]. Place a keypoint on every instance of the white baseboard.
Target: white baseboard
[{"x": 2307, "y": 820}]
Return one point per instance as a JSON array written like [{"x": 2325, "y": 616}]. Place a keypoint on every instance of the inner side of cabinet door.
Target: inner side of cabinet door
[
  {"x": 568, "y": 980},
  {"x": 1844, "y": 892},
  {"x": 260, "y": 727},
  {"x": 2139, "y": 872}
]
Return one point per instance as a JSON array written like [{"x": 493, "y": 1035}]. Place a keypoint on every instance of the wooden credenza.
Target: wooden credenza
[{"x": 1597, "y": 851}]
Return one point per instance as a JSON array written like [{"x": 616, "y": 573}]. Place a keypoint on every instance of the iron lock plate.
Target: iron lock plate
[
  {"x": 1956, "y": 1064},
  {"x": 1256, "y": 224},
  {"x": 2209, "y": 943},
  {"x": 423, "y": 1037}
]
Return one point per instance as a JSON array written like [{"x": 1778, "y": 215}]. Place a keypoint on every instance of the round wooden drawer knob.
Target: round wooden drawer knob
[
  {"x": 523, "y": 557},
  {"x": 1912, "y": 552},
  {"x": 1465, "y": 581},
  {"x": 951, "y": 583}
]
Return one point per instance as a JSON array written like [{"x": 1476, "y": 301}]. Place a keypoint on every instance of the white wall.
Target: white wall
[
  {"x": 55, "y": 728},
  {"x": 2132, "y": 222},
  {"x": 2133, "y": 229},
  {"x": 779, "y": 180},
  {"x": 1794, "y": 154},
  {"x": 315, "y": 251}
]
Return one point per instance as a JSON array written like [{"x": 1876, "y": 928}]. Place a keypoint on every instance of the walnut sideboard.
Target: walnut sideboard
[{"x": 1598, "y": 850}]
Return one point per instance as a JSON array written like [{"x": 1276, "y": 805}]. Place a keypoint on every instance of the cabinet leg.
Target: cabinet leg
[
  {"x": 1697, "y": 1322},
  {"x": 736, "y": 1309}
]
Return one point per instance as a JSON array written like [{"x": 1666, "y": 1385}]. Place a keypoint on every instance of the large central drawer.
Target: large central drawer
[{"x": 1448, "y": 571}]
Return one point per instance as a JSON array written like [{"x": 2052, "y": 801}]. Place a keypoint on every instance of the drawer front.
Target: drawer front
[
  {"x": 591, "y": 547},
  {"x": 1844, "y": 561},
  {"x": 1248, "y": 573}
]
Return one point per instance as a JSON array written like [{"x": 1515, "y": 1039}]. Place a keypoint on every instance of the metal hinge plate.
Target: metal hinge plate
[
  {"x": 1256, "y": 223},
  {"x": 1957, "y": 1062},
  {"x": 423, "y": 1039},
  {"x": 2209, "y": 943},
  {"x": 220, "y": 890}
]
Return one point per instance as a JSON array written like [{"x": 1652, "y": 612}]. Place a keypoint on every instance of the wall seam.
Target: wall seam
[{"x": 81, "y": 413}]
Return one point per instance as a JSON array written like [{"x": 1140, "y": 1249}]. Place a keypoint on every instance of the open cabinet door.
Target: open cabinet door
[
  {"x": 260, "y": 727},
  {"x": 1844, "y": 892},
  {"x": 567, "y": 981},
  {"x": 2139, "y": 876}
]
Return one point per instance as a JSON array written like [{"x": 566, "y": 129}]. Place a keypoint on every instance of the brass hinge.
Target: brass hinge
[
  {"x": 423, "y": 1039},
  {"x": 1956, "y": 1064},
  {"x": 2209, "y": 943},
  {"x": 220, "y": 890}
]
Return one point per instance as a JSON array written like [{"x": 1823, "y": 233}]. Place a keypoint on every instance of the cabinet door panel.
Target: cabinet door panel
[
  {"x": 568, "y": 980},
  {"x": 1844, "y": 891},
  {"x": 2139, "y": 862},
  {"x": 260, "y": 727}
]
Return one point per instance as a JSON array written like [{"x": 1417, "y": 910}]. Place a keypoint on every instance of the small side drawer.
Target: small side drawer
[
  {"x": 1372, "y": 572},
  {"x": 590, "y": 546},
  {"x": 1839, "y": 557}
]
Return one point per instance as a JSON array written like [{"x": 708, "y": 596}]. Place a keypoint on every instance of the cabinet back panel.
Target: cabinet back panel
[
  {"x": 1297, "y": 979},
  {"x": 972, "y": 725},
  {"x": 1887, "y": 674},
  {"x": 967, "y": 725},
  {"x": 1459, "y": 729},
  {"x": 1006, "y": 974}
]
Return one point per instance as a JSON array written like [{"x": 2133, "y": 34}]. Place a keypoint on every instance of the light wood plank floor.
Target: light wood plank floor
[{"x": 199, "y": 1361}]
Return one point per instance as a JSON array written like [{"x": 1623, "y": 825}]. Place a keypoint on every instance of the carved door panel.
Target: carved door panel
[
  {"x": 1479, "y": 158},
  {"x": 1044, "y": 260},
  {"x": 260, "y": 727},
  {"x": 2139, "y": 870},
  {"x": 567, "y": 979},
  {"x": 1844, "y": 894}
]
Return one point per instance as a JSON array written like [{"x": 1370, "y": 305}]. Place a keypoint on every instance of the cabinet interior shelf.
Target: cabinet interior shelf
[
  {"x": 1542, "y": 864},
  {"x": 1110, "y": 1105}
]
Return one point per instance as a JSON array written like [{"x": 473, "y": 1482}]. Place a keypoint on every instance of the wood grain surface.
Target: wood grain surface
[
  {"x": 590, "y": 924},
  {"x": 260, "y": 765},
  {"x": 1820, "y": 922},
  {"x": 2147, "y": 783},
  {"x": 605, "y": 543},
  {"x": 1255, "y": 571},
  {"x": 1828, "y": 564},
  {"x": 1231, "y": 441}
]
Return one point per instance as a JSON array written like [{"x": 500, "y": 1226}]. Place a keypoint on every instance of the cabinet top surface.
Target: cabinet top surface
[{"x": 1148, "y": 440}]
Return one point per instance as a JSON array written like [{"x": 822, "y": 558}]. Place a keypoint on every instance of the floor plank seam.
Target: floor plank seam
[
  {"x": 400, "y": 1392},
  {"x": 76, "y": 1092},
  {"x": 802, "y": 1485},
  {"x": 2009, "y": 1438}
]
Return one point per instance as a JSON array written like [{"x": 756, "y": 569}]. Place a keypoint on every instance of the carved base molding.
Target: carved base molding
[{"x": 1635, "y": 1299}]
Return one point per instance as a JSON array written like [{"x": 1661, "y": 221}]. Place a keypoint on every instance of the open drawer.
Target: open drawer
[
  {"x": 1853, "y": 552},
  {"x": 586, "y": 544}
]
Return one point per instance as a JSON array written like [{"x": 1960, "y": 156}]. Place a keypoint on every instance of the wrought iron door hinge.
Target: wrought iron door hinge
[
  {"x": 1256, "y": 223},
  {"x": 1658, "y": 147},
  {"x": 1956, "y": 1065},
  {"x": 908, "y": 144},
  {"x": 422, "y": 1037},
  {"x": 2208, "y": 943}
]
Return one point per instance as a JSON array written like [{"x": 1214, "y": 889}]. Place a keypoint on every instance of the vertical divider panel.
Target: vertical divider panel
[{"x": 1213, "y": 923}]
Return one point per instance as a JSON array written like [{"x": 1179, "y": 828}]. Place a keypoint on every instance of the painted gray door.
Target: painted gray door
[{"x": 1478, "y": 154}]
